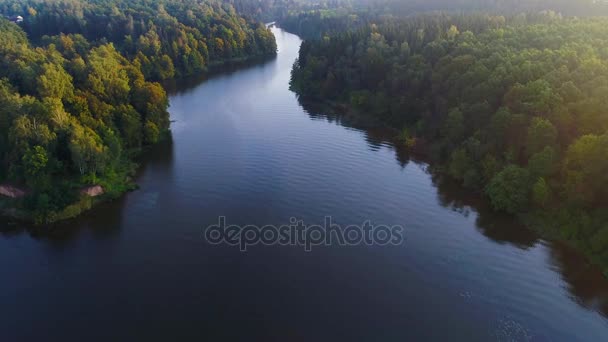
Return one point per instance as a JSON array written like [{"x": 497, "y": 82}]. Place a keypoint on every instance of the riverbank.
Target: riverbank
[
  {"x": 121, "y": 181},
  {"x": 550, "y": 223},
  {"x": 215, "y": 69},
  {"x": 97, "y": 101},
  {"x": 517, "y": 138},
  {"x": 243, "y": 147},
  {"x": 87, "y": 197}
]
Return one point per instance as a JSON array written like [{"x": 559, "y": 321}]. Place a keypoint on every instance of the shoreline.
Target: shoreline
[
  {"x": 532, "y": 220},
  {"x": 10, "y": 207}
]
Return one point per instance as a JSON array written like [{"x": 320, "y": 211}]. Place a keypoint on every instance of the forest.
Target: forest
[
  {"x": 313, "y": 20},
  {"x": 78, "y": 98},
  {"x": 513, "y": 107},
  {"x": 165, "y": 38}
]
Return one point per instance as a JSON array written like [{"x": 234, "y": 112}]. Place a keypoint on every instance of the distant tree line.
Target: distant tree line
[
  {"x": 313, "y": 20},
  {"x": 514, "y": 108}
]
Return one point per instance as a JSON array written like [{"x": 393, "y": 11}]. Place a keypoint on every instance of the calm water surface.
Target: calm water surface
[{"x": 244, "y": 147}]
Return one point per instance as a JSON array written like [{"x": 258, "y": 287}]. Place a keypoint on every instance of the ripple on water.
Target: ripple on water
[{"x": 243, "y": 147}]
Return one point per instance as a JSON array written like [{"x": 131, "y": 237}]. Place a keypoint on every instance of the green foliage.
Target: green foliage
[
  {"x": 459, "y": 164},
  {"x": 509, "y": 189},
  {"x": 542, "y": 163},
  {"x": 151, "y": 133},
  {"x": 78, "y": 95},
  {"x": 541, "y": 134},
  {"x": 108, "y": 78},
  {"x": 70, "y": 211},
  {"x": 453, "y": 127},
  {"x": 165, "y": 39},
  {"x": 485, "y": 92},
  {"x": 490, "y": 167},
  {"x": 540, "y": 192},
  {"x": 87, "y": 150},
  {"x": 35, "y": 161},
  {"x": 525, "y": 92},
  {"x": 55, "y": 82},
  {"x": 585, "y": 170}
]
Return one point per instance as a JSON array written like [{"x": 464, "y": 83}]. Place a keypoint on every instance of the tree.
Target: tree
[
  {"x": 452, "y": 32},
  {"x": 528, "y": 92},
  {"x": 459, "y": 164},
  {"x": 87, "y": 150},
  {"x": 55, "y": 82},
  {"x": 541, "y": 164},
  {"x": 129, "y": 125},
  {"x": 540, "y": 192},
  {"x": 586, "y": 169},
  {"x": 108, "y": 77},
  {"x": 77, "y": 94},
  {"x": 541, "y": 134},
  {"x": 151, "y": 99},
  {"x": 151, "y": 133},
  {"x": 534, "y": 98},
  {"x": 509, "y": 189},
  {"x": 499, "y": 127},
  {"x": 165, "y": 68},
  {"x": 453, "y": 128},
  {"x": 34, "y": 163}
]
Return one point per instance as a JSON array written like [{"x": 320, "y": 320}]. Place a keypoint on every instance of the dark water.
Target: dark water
[{"x": 243, "y": 147}]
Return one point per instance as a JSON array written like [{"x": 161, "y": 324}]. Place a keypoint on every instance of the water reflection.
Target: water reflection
[
  {"x": 376, "y": 134},
  {"x": 585, "y": 282},
  {"x": 498, "y": 227},
  {"x": 242, "y": 147},
  {"x": 105, "y": 220},
  {"x": 186, "y": 84}
]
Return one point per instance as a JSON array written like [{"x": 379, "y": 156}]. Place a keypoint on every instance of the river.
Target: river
[{"x": 243, "y": 147}]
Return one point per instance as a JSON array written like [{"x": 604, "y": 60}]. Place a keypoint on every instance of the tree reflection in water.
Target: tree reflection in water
[{"x": 586, "y": 283}]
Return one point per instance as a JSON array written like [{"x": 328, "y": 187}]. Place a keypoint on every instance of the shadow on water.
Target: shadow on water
[
  {"x": 376, "y": 134},
  {"x": 587, "y": 286},
  {"x": 585, "y": 282},
  {"x": 498, "y": 227},
  {"x": 105, "y": 219},
  {"x": 186, "y": 84}
]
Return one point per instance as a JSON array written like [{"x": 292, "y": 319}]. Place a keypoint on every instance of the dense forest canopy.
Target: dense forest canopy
[
  {"x": 76, "y": 99},
  {"x": 313, "y": 19},
  {"x": 514, "y": 108},
  {"x": 506, "y": 96},
  {"x": 566, "y": 7},
  {"x": 166, "y": 38}
]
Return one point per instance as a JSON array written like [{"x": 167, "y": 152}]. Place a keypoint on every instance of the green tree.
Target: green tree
[
  {"x": 87, "y": 151},
  {"x": 35, "y": 161},
  {"x": 453, "y": 128},
  {"x": 108, "y": 78},
  {"x": 540, "y": 192},
  {"x": 586, "y": 169},
  {"x": 541, "y": 134},
  {"x": 459, "y": 164},
  {"x": 151, "y": 133},
  {"x": 165, "y": 68},
  {"x": 509, "y": 190},
  {"x": 55, "y": 82},
  {"x": 541, "y": 164}
]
